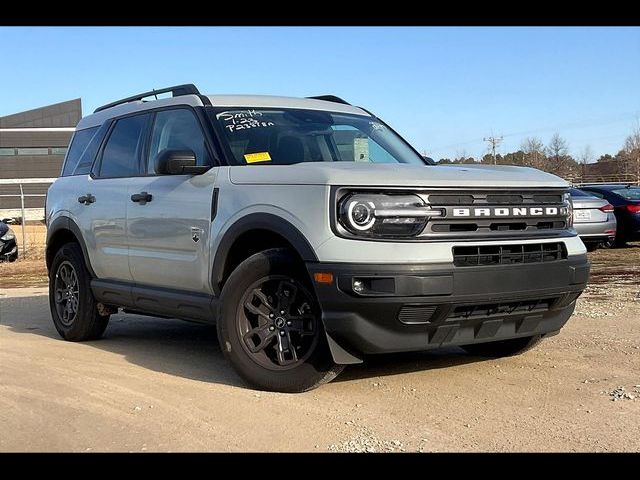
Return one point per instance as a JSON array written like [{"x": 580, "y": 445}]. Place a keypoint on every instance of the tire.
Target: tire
[
  {"x": 82, "y": 322},
  {"x": 591, "y": 246},
  {"x": 608, "y": 243},
  {"x": 265, "y": 359},
  {"x": 503, "y": 348},
  {"x": 620, "y": 242}
]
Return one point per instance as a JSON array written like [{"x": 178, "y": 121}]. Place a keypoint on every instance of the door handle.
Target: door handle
[
  {"x": 87, "y": 199},
  {"x": 141, "y": 198}
]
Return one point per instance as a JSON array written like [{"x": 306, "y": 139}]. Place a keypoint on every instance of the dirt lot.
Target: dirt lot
[
  {"x": 30, "y": 269},
  {"x": 162, "y": 385}
]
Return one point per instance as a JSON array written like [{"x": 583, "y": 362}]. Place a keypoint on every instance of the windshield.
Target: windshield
[
  {"x": 286, "y": 136},
  {"x": 632, "y": 193}
]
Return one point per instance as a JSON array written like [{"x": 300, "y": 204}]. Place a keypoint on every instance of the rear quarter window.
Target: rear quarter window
[{"x": 77, "y": 149}]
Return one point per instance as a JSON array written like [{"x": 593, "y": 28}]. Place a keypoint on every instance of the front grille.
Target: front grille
[
  {"x": 451, "y": 225},
  {"x": 474, "y": 256},
  {"x": 413, "y": 314},
  {"x": 501, "y": 309}
]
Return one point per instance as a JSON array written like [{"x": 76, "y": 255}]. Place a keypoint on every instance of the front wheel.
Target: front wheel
[
  {"x": 503, "y": 348},
  {"x": 270, "y": 327}
]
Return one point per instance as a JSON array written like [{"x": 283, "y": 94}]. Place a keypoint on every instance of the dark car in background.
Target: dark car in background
[
  {"x": 593, "y": 219},
  {"x": 8, "y": 245},
  {"x": 626, "y": 203}
]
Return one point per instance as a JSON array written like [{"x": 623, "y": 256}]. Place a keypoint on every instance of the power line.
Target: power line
[
  {"x": 567, "y": 126},
  {"x": 493, "y": 142}
]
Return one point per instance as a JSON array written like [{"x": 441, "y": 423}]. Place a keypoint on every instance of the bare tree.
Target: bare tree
[
  {"x": 586, "y": 155},
  {"x": 631, "y": 151},
  {"x": 461, "y": 156},
  {"x": 557, "y": 152},
  {"x": 533, "y": 149}
]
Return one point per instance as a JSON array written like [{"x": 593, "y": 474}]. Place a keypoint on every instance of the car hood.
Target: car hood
[
  {"x": 4, "y": 228},
  {"x": 394, "y": 175}
]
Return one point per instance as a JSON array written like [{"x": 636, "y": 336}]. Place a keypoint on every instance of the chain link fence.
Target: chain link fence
[{"x": 27, "y": 209}]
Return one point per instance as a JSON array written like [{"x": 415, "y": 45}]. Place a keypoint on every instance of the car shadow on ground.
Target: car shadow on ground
[{"x": 191, "y": 350}]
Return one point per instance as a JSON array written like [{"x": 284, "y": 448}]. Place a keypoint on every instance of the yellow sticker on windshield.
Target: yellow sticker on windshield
[{"x": 257, "y": 157}]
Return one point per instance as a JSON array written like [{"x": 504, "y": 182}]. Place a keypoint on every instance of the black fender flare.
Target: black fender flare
[
  {"x": 258, "y": 221},
  {"x": 66, "y": 223}
]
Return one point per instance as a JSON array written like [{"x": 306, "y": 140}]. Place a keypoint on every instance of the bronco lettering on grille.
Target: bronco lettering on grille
[{"x": 507, "y": 212}]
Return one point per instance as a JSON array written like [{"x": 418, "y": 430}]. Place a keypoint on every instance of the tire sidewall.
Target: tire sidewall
[
  {"x": 297, "y": 379},
  {"x": 78, "y": 329}
]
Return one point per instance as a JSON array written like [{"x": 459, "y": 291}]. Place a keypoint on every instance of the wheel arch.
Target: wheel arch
[
  {"x": 254, "y": 233},
  {"x": 64, "y": 230}
]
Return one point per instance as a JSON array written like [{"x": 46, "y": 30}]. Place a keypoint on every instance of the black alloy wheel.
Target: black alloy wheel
[
  {"x": 276, "y": 324},
  {"x": 66, "y": 292}
]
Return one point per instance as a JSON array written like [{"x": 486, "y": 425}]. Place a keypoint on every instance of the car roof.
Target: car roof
[
  {"x": 272, "y": 101},
  {"x": 619, "y": 186},
  {"x": 240, "y": 101}
]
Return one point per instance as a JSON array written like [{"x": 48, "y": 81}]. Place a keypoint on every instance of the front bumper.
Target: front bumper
[{"x": 418, "y": 307}]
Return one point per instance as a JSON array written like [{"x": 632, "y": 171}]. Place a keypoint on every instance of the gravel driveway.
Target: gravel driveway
[{"x": 162, "y": 385}]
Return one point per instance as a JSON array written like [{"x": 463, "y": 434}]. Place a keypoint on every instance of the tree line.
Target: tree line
[{"x": 554, "y": 158}]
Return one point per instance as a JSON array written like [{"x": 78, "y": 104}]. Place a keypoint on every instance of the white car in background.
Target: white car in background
[{"x": 593, "y": 219}]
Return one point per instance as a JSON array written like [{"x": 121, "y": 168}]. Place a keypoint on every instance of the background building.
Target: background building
[{"x": 33, "y": 145}]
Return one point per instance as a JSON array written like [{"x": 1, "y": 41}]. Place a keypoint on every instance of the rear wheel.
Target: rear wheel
[
  {"x": 591, "y": 246},
  {"x": 503, "y": 348},
  {"x": 270, "y": 327},
  {"x": 73, "y": 308},
  {"x": 620, "y": 242},
  {"x": 608, "y": 243}
]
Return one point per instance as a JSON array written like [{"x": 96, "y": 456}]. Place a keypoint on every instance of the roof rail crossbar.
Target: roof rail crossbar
[
  {"x": 330, "y": 98},
  {"x": 178, "y": 90}
]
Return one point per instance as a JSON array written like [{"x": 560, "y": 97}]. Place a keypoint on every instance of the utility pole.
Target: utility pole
[{"x": 493, "y": 142}]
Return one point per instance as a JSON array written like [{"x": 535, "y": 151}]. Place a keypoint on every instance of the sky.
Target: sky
[{"x": 443, "y": 89}]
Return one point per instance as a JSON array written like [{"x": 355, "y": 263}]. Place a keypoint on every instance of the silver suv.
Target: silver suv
[{"x": 308, "y": 230}]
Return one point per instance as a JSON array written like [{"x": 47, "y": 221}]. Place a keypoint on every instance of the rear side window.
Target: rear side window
[
  {"x": 121, "y": 154},
  {"x": 79, "y": 144}
]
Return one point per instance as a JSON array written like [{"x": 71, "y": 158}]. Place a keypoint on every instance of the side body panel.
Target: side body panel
[
  {"x": 102, "y": 223},
  {"x": 168, "y": 236}
]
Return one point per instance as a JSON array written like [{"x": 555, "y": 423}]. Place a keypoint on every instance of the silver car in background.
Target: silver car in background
[{"x": 593, "y": 219}]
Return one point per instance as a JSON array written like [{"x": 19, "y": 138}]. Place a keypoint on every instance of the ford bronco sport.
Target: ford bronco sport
[{"x": 308, "y": 230}]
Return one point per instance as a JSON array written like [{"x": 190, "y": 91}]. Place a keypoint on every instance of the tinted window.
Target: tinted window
[
  {"x": 596, "y": 194},
  {"x": 88, "y": 156},
  {"x": 177, "y": 130},
  {"x": 79, "y": 144},
  {"x": 579, "y": 193},
  {"x": 58, "y": 150},
  {"x": 121, "y": 154},
  {"x": 7, "y": 151},
  {"x": 631, "y": 193}
]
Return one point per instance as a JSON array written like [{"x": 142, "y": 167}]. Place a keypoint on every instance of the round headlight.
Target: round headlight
[
  {"x": 360, "y": 215},
  {"x": 383, "y": 215}
]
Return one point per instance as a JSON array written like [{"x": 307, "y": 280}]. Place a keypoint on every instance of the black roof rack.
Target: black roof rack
[
  {"x": 178, "y": 90},
  {"x": 330, "y": 98}
]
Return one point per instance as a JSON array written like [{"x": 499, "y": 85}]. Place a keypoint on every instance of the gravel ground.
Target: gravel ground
[{"x": 162, "y": 385}]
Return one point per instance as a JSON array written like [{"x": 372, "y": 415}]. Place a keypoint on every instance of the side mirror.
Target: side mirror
[{"x": 178, "y": 162}]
